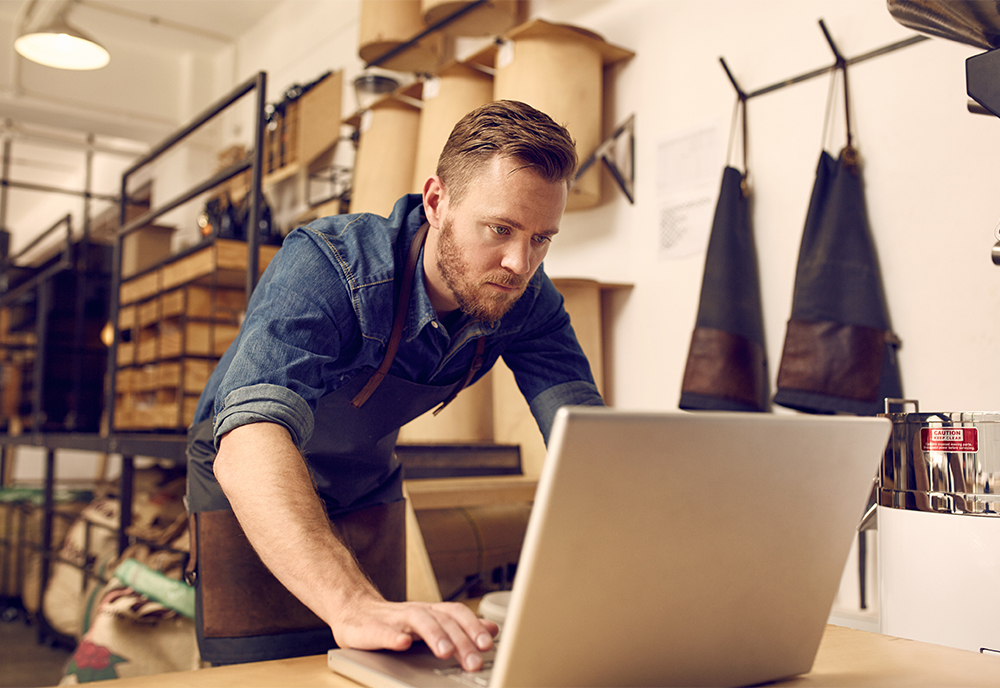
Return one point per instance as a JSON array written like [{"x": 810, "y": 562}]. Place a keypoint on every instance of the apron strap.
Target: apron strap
[
  {"x": 397, "y": 325},
  {"x": 397, "y": 334},
  {"x": 477, "y": 363}
]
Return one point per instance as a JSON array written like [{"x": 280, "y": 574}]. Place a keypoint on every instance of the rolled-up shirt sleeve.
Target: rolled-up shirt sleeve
[
  {"x": 265, "y": 403},
  {"x": 548, "y": 363}
]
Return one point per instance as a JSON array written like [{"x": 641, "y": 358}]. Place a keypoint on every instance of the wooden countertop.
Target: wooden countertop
[{"x": 847, "y": 658}]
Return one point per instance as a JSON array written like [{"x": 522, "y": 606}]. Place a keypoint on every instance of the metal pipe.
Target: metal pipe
[
  {"x": 402, "y": 47},
  {"x": 4, "y": 174},
  {"x": 196, "y": 123},
  {"x": 55, "y": 189},
  {"x": 878, "y": 52},
  {"x": 256, "y": 196},
  {"x": 207, "y": 185}
]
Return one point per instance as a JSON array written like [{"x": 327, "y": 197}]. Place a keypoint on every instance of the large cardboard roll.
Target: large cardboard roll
[
  {"x": 487, "y": 19},
  {"x": 385, "y": 25},
  {"x": 387, "y": 148},
  {"x": 558, "y": 69},
  {"x": 456, "y": 90}
]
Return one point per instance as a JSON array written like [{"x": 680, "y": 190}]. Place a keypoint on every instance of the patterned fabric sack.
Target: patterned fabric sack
[
  {"x": 132, "y": 636},
  {"x": 127, "y": 633}
]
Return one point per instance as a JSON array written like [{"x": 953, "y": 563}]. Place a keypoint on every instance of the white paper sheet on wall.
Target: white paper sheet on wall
[{"x": 688, "y": 169}]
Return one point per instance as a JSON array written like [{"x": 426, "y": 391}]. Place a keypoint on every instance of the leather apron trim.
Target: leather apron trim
[{"x": 247, "y": 600}]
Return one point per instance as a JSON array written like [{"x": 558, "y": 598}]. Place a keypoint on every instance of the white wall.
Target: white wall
[{"x": 929, "y": 168}]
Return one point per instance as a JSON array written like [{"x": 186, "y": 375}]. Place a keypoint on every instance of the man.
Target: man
[{"x": 359, "y": 325}]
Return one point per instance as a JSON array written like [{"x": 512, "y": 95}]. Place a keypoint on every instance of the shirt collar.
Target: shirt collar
[{"x": 421, "y": 313}]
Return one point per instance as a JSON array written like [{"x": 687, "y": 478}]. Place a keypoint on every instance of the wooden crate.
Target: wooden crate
[
  {"x": 139, "y": 288},
  {"x": 193, "y": 338},
  {"x": 224, "y": 261},
  {"x": 191, "y": 375},
  {"x": 127, "y": 317},
  {"x": 195, "y": 301},
  {"x": 125, "y": 354},
  {"x": 150, "y": 412},
  {"x": 148, "y": 313},
  {"x": 147, "y": 349},
  {"x": 176, "y": 321},
  {"x": 161, "y": 396}
]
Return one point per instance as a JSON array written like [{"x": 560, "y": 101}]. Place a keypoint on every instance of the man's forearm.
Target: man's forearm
[{"x": 271, "y": 492}]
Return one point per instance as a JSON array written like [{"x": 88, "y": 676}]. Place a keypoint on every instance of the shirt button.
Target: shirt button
[{"x": 434, "y": 324}]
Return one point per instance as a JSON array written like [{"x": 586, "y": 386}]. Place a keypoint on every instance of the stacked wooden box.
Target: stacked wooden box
[{"x": 174, "y": 324}]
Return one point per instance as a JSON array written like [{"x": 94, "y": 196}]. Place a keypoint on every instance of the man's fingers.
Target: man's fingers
[{"x": 449, "y": 629}]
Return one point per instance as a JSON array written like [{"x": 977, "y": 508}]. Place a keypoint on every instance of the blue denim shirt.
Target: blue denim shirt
[{"x": 323, "y": 311}]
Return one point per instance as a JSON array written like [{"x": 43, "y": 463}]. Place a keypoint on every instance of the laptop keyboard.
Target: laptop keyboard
[{"x": 474, "y": 679}]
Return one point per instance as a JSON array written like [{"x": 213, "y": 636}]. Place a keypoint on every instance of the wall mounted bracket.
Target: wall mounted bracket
[{"x": 623, "y": 171}]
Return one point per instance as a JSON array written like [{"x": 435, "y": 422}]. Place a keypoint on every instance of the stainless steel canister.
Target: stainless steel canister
[{"x": 942, "y": 462}]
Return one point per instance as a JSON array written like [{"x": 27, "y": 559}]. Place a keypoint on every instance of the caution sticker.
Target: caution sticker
[{"x": 949, "y": 439}]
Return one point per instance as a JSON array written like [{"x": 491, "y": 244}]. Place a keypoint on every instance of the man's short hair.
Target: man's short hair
[{"x": 511, "y": 129}]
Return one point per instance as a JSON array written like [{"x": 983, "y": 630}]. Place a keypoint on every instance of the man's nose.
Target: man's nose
[{"x": 517, "y": 257}]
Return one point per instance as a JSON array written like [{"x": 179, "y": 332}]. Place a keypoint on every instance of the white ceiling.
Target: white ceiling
[
  {"x": 46, "y": 106},
  {"x": 168, "y": 25}
]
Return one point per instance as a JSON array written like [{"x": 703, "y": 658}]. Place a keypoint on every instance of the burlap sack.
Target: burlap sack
[{"x": 132, "y": 636}]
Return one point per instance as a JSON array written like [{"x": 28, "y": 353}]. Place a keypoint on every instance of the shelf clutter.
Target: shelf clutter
[{"x": 174, "y": 323}]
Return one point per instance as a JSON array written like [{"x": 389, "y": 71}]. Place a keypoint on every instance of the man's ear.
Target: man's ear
[{"x": 434, "y": 198}]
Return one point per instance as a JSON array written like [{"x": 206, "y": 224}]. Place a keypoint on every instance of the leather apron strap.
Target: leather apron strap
[
  {"x": 397, "y": 324},
  {"x": 397, "y": 333}
]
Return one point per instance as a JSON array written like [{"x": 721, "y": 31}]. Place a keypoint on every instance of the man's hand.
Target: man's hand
[{"x": 448, "y": 628}]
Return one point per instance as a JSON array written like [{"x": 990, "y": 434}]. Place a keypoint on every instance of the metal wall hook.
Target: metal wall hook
[
  {"x": 739, "y": 91},
  {"x": 841, "y": 61},
  {"x": 606, "y": 153},
  {"x": 878, "y": 52}
]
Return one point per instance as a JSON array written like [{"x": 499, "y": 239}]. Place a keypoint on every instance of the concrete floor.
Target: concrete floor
[{"x": 24, "y": 663}]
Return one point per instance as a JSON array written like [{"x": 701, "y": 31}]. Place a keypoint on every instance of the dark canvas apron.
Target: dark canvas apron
[
  {"x": 839, "y": 354},
  {"x": 243, "y": 613},
  {"x": 726, "y": 367}
]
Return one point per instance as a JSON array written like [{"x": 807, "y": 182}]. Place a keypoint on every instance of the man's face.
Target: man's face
[{"x": 489, "y": 245}]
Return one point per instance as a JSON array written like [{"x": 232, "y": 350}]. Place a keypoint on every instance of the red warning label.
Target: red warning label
[{"x": 949, "y": 439}]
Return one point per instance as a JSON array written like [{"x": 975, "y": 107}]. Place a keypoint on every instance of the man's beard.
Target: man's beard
[{"x": 475, "y": 299}]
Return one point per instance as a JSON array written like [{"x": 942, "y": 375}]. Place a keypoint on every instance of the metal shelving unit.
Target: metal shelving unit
[{"x": 130, "y": 445}]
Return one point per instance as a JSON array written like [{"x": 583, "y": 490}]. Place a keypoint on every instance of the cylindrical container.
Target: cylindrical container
[
  {"x": 559, "y": 70},
  {"x": 387, "y": 148},
  {"x": 385, "y": 25},
  {"x": 488, "y": 19},
  {"x": 942, "y": 462},
  {"x": 455, "y": 91},
  {"x": 938, "y": 531}
]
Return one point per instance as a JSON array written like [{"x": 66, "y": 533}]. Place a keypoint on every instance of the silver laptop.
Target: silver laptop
[{"x": 669, "y": 549}]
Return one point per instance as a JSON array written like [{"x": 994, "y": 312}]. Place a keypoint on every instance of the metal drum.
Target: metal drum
[
  {"x": 938, "y": 538},
  {"x": 942, "y": 462}
]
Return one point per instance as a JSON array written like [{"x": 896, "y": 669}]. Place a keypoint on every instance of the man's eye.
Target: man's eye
[
  {"x": 499, "y": 230},
  {"x": 542, "y": 239}
]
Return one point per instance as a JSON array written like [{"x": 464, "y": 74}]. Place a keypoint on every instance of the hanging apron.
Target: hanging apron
[
  {"x": 243, "y": 613},
  {"x": 839, "y": 352},
  {"x": 727, "y": 364}
]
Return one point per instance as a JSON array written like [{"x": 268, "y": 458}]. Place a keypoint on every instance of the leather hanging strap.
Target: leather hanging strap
[
  {"x": 850, "y": 153},
  {"x": 397, "y": 325},
  {"x": 740, "y": 114}
]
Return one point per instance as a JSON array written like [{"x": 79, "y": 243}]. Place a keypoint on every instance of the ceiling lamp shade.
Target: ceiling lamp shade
[{"x": 57, "y": 44}]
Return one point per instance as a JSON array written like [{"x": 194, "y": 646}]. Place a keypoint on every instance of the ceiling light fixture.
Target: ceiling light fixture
[{"x": 58, "y": 44}]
